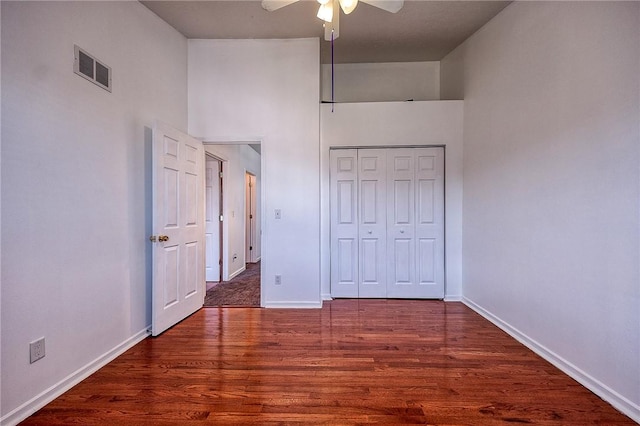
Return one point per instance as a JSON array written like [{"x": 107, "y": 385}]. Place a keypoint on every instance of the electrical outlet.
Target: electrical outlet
[
  {"x": 278, "y": 279},
  {"x": 36, "y": 350}
]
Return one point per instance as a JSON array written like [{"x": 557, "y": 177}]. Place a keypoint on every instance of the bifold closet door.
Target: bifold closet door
[
  {"x": 387, "y": 222},
  {"x": 415, "y": 223}
]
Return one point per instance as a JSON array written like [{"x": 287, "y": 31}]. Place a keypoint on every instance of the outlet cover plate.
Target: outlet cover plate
[{"x": 36, "y": 350}]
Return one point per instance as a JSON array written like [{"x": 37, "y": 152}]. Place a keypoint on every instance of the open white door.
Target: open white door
[{"x": 178, "y": 227}]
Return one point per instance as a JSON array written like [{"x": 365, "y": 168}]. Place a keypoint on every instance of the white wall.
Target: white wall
[
  {"x": 380, "y": 82},
  {"x": 551, "y": 185},
  {"x": 393, "y": 124},
  {"x": 238, "y": 159},
  {"x": 268, "y": 91},
  {"x": 452, "y": 76},
  {"x": 75, "y": 186}
]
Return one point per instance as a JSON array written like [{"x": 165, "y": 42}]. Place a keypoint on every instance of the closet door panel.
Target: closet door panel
[
  {"x": 344, "y": 223},
  {"x": 372, "y": 222},
  {"x": 400, "y": 223},
  {"x": 430, "y": 222}
]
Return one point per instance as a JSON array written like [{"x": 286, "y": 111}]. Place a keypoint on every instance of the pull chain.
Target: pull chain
[{"x": 332, "y": 74}]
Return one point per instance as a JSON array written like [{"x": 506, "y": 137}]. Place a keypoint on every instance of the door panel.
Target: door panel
[
  {"x": 178, "y": 226},
  {"x": 170, "y": 255},
  {"x": 402, "y": 202},
  {"x": 372, "y": 222},
  {"x": 191, "y": 279},
  {"x": 344, "y": 227},
  {"x": 346, "y": 267},
  {"x": 426, "y": 260}
]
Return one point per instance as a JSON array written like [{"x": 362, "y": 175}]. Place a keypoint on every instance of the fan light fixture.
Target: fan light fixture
[
  {"x": 348, "y": 6},
  {"x": 329, "y": 11},
  {"x": 325, "y": 12}
]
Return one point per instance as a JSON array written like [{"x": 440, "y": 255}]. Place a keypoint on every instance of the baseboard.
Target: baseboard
[
  {"x": 39, "y": 401},
  {"x": 294, "y": 305},
  {"x": 236, "y": 273},
  {"x": 453, "y": 298},
  {"x": 618, "y": 401},
  {"x": 326, "y": 296}
]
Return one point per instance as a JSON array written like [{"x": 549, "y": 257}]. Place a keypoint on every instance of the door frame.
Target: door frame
[{"x": 210, "y": 143}]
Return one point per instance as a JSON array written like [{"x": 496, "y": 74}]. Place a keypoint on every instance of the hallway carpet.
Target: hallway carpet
[{"x": 242, "y": 290}]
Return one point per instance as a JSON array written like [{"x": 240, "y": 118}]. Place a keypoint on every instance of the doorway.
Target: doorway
[{"x": 239, "y": 223}]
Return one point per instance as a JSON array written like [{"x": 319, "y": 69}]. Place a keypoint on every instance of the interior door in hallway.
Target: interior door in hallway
[
  {"x": 213, "y": 234},
  {"x": 250, "y": 218}
]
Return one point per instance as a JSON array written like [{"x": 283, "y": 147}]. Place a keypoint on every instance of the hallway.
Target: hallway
[{"x": 242, "y": 290}]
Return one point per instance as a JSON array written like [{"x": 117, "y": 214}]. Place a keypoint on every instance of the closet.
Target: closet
[{"x": 387, "y": 223}]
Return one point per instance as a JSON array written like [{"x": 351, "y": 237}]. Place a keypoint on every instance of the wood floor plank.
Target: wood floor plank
[{"x": 352, "y": 362}]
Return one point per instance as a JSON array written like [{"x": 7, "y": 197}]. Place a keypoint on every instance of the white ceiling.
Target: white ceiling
[{"x": 422, "y": 30}]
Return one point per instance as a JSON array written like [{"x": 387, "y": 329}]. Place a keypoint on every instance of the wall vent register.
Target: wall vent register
[{"x": 87, "y": 66}]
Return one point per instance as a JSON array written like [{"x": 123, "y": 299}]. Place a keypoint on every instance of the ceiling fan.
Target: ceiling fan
[{"x": 329, "y": 11}]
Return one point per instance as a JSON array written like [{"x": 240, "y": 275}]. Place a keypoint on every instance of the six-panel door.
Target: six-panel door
[{"x": 178, "y": 225}]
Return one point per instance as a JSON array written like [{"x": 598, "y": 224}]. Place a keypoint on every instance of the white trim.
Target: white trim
[
  {"x": 453, "y": 298},
  {"x": 292, "y": 305},
  {"x": 618, "y": 401},
  {"x": 42, "y": 399},
  {"x": 236, "y": 273},
  {"x": 326, "y": 296}
]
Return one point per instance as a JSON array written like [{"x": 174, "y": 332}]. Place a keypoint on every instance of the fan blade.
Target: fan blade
[
  {"x": 392, "y": 6},
  {"x": 334, "y": 25},
  {"x": 272, "y": 5}
]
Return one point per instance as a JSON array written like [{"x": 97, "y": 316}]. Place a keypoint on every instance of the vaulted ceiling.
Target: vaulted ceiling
[{"x": 421, "y": 31}]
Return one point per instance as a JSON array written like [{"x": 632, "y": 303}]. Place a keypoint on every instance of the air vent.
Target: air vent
[{"x": 90, "y": 68}]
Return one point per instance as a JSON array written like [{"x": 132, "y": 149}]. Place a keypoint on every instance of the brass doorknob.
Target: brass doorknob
[{"x": 163, "y": 238}]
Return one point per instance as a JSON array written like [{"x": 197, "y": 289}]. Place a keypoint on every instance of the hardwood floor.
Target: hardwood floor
[{"x": 352, "y": 362}]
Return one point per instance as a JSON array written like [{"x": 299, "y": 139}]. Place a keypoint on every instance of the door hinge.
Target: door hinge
[
  {"x": 221, "y": 218},
  {"x": 250, "y": 248},
  {"x": 220, "y": 174},
  {"x": 250, "y": 216}
]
